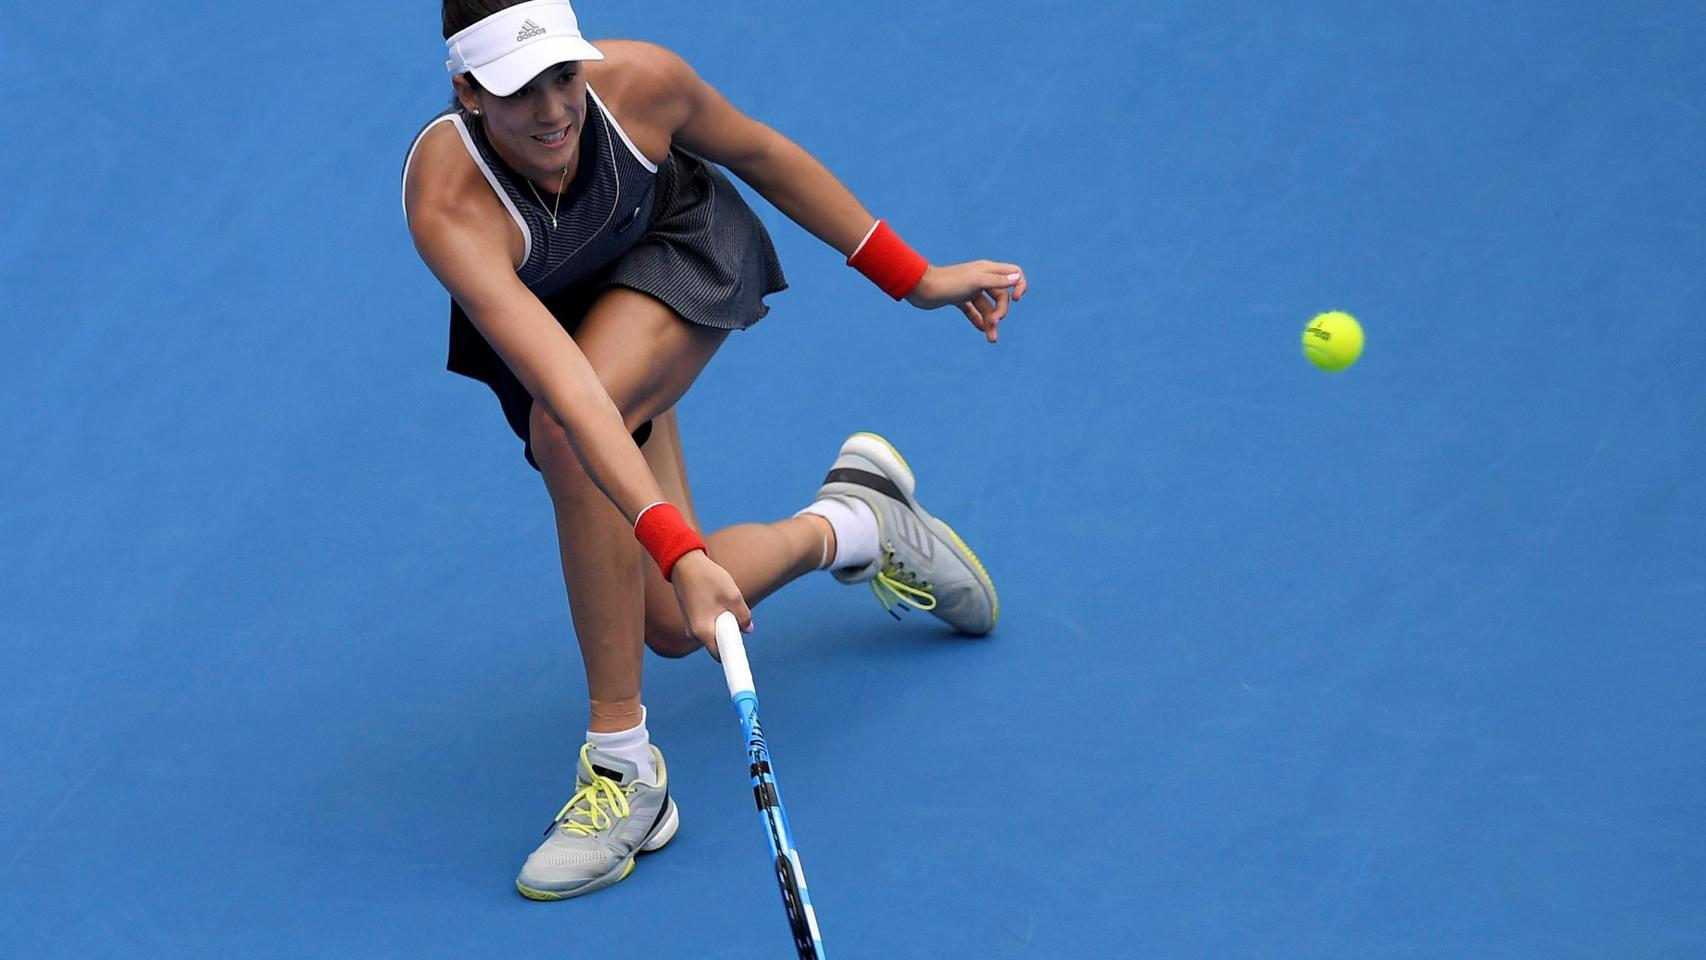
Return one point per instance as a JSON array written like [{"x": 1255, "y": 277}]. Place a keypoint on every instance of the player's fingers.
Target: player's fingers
[
  {"x": 972, "y": 314},
  {"x": 1005, "y": 275},
  {"x": 986, "y": 309},
  {"x": 1006, "y": 278}
]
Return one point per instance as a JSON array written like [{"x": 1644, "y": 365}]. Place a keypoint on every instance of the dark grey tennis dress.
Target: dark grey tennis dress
[{"x": 678, "y": 231}]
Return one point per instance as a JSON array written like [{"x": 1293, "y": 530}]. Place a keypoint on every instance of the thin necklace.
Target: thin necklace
[{"x": 559, "y": 201}]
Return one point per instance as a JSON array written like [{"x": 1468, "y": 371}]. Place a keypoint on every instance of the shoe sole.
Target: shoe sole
[
  {"x": 881, "y": 452},
  {"x": 664, "y": 833}
]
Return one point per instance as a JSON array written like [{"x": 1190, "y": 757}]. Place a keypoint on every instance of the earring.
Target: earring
[{"x": 476, "y": 113}]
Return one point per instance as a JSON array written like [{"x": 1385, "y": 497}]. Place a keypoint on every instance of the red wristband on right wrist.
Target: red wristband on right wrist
[
  {"x": 666, "y": 535},
  {"x": 889, "y": 263}
]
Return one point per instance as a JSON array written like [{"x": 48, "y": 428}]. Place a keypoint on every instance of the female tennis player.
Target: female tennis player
[{"x": 571, "y": 202}]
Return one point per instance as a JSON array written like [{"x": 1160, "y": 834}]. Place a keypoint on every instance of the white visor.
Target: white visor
[{"x": 514, "y": 45}]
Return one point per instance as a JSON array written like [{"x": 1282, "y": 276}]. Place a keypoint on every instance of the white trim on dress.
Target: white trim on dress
[
  {"x": 491, "y": 178},
  {"x": 621, "y": 132}
]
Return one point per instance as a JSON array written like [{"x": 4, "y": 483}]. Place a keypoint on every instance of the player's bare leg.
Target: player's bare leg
[
  {"x": 762, "y": 557},
  {"x": 646, "y": 357}
]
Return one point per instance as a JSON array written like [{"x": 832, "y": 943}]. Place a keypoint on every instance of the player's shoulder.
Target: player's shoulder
[
  {"x": 638, "y": 55},
  {"x": 440, "y": 157},
  {"x": 638, "y": 65},
  {"x": 443, "y": 182},
  {"x": 439, "y": 141}
]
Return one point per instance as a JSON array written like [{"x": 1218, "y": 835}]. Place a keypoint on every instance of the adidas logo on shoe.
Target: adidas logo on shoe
[{"x": 529, "y": 30}]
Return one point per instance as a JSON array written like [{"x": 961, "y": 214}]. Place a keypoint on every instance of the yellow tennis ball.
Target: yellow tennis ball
[{"x": 1333, "y": 341}]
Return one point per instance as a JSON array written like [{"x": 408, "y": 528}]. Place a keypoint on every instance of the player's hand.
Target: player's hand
[
  {"x": 703, "y": 591},
  {"x": 981, "y": 289}
]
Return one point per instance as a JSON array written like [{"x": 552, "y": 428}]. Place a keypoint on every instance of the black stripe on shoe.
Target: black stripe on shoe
[
  {"x": 865, "y": 478},
  {"x": 663, "y": 811}
]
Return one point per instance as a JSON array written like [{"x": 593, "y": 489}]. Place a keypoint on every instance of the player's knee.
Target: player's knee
[
  {"x": 552, "y": 449},
  {"x": 670, "y": 639},
  {"x": 550, "y": 444},
  {"x": 666, "y": 631}
]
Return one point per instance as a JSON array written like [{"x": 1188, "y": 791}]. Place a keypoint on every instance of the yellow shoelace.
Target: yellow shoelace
[
  {"x": 600, "y": 803},
  {"x": 894, "y": 586}
]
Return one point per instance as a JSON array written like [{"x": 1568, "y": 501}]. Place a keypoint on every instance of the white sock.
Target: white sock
[
  {"x": 633, "y": 745},
  {"x": 855, "y": 529}
]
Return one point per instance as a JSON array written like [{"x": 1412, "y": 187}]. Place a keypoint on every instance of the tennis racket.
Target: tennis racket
[{"x": 802, "y": 921}]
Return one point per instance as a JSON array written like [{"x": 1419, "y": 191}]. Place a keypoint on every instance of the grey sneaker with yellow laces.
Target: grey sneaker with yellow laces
[
  {"x": 921, "y": 562},
  {"x": 613, "y": 817}
]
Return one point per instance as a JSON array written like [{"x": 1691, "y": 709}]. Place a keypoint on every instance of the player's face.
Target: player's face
[{"x": 537, "y": 128}]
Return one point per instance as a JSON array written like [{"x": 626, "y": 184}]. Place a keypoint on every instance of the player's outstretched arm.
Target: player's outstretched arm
[
  {"x": 460, "y": 231},
  {"x": 797, "y": 184}
]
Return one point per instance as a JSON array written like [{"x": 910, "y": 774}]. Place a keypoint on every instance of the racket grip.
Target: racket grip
[{"x": 736, "y": 671}]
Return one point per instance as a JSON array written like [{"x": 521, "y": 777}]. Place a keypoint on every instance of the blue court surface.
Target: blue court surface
[{"x": 1406, "y": 661}]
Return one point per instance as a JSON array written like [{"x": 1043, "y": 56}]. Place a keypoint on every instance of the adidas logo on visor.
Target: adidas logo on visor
[{"x": 529, "y": 30}]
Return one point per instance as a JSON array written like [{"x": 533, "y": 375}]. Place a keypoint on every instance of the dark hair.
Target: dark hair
[{"x": 459, "y": 15}]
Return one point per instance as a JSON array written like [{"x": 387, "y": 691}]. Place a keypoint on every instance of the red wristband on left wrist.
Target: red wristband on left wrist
[{"x": 889, "y": 263}]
